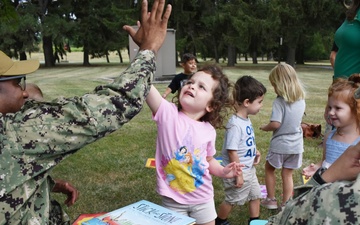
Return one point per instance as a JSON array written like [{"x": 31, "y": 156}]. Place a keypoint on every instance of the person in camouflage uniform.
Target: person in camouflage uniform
[
  {"x": 35, "y": 137},
  {"x": 331, "y": 196}
]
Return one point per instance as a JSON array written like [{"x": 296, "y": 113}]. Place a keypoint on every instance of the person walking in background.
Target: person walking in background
[
  {"x": 286, "y": 145},
  {"x": 37, "y": 136},
  {"x": 344, "y": 114},
  {"x": 185, "y": 143},
  {"x": 347, "y": 39},
  {"x": 240, "y": 147},
  {"x": 188, "y": 63}
]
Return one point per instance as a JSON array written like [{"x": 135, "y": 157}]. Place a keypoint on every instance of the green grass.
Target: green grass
[{"x": 110, "y": 173}]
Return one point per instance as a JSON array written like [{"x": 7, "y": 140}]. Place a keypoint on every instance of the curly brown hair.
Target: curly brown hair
[{"x": 221, "y": 97}]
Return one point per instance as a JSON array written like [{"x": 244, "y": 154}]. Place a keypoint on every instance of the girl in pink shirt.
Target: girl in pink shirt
[{"x": 185, "y": 144}]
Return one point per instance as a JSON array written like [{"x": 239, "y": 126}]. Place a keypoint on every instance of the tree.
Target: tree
[
  {"x": 19, "y": 29},
  {"x": 99, "y": 26}
]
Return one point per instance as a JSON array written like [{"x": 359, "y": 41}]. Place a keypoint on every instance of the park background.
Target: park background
[
  {"x": 111, "y": 172},
  {"x": 294, "y": 31},
  {"x": 246, "y": 37}
]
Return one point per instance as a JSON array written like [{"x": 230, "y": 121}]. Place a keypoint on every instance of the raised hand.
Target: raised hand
[{"x": 152, "y": 28}]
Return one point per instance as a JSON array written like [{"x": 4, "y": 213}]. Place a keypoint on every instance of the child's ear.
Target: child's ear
[
  {"x": 246, "y": 102},
  {"x": 209, "y": 108}
]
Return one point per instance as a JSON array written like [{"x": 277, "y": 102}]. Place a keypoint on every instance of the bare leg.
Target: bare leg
[
  {"x": 254, "y": 208},
  {"x": 270, "y": 180},
  {"x": 224, "y": 210},
  {"x": 288, "y": 184}
]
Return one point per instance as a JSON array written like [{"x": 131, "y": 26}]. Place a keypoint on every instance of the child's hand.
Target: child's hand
[
  {"x": 310, "y": 170},
  {"x": 232, "y": 169},
  {"x": 239, "y": 181},
  {"x": 262, "y": 127},
  {"x": 257, "y": 158}
]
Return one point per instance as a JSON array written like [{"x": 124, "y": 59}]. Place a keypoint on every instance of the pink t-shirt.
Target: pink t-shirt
[{"x": 182, "y": 146}]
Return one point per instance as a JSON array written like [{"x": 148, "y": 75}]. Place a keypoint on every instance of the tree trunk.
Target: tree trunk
[
  {"x": 48, "y": 51},
  {"x": 23, "y": 56},
  {"x": 216, "y": 53},
  {"x": 290, "y": 57},
  {"x": 120, "y": 56},
  {"x": 231, "y": 55},
  {"x": 299, "y": 55},
  {"x": 86, "y": 56},
  {"x": 254, "y": 57}
]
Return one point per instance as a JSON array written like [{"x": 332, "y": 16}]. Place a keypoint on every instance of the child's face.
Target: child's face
[
  {"x": 190, "y": 66},
  {"x": 255, "y": 106},
  {"x": 196, "y": 94},
  {"x": 340, "y": 112}
]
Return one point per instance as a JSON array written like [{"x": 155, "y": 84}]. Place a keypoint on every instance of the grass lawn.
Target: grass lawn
[{"x": 110, "y": 173}]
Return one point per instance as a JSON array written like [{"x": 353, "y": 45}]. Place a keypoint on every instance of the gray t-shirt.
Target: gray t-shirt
[
  {"x": 288, "y": 138},
  {"x": 239, "y": 136}
]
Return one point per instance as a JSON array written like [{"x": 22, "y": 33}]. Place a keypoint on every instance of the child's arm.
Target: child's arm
[
  {"x": 167, "y": 92},
  {"x": 153, "y": 99},
  {"x": 233, "y": 157},
  {"x": 312, "y": 168},
  {"x": 231, "y": 170},
  {"x": 273, "y": 125},
  {"x": 257, "y": 157}
]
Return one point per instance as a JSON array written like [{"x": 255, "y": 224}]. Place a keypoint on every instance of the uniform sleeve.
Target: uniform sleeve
[
  {"x": 37, "y": 138},
  {"x": 332, "y": 203}
]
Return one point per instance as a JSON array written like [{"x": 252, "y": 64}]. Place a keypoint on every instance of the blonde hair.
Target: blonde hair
[{"x": 284, "y": 79}]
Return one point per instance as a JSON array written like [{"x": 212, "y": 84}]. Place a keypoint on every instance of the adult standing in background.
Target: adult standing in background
[
  {"x": 345, "y": 52},
  {"x": 347, "y": 39},
  {"x": 333, "y": 52},
  {"x": 35, "y": 137}
]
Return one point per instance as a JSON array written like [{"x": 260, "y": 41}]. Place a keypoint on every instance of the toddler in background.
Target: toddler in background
[
  {"x": 185, "y": 143},
  {"x": 343, "y": 112},
  {"x": 188, "y": 63},
  {"x": 287, "y": 144},
  {"x": 239, "y": 146}
]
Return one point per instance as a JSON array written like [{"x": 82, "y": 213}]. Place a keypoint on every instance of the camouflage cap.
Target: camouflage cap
[{"x": 8, "y": 67}]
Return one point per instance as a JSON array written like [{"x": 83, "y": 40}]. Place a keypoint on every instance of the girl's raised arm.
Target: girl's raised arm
[{"x": 154, "y": 99}]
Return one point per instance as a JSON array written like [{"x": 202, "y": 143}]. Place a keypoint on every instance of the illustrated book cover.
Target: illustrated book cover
[
  {"x": 141, "y": 213},
  {"x": 86, "y": 217}
]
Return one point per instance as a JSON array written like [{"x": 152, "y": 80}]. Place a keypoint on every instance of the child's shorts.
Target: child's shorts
[
  {"x": 249, "y": 191},
  {"x": 203, "y": 213},
  {"x": 288, "y": 161}
]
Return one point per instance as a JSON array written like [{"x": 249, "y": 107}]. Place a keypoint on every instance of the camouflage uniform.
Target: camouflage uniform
[
  {"x": 331, "y": 203},
  {"x": 41, "y": 135}
]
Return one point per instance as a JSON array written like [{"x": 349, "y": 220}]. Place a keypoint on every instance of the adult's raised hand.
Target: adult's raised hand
[{"x": 152, "y": 27}]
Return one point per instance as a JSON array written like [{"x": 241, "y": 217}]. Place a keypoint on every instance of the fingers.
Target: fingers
[
  {"x": 157, "y": 9},
  {"x": 131, "y": 31},
  {"x": 144, "y": 10},
  {"x": 72, "y": 196},
  {"x": 167, "y": 14}
]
